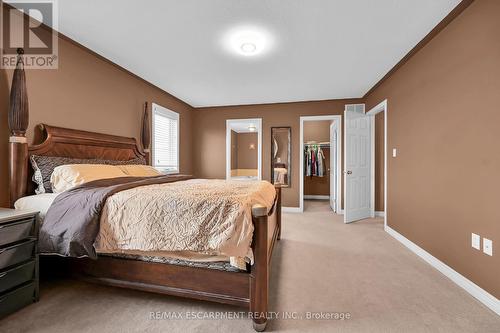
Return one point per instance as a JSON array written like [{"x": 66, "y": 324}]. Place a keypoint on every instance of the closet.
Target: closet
[
  {"x": 317, "y": 153},
  {"x": 316, "y": 170}
]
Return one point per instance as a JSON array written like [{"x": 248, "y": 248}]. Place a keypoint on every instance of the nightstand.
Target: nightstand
[{"x": 18, "y": 259}]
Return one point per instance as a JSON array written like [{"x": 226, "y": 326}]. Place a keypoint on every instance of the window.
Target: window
[{"x": 165, "y": 139}]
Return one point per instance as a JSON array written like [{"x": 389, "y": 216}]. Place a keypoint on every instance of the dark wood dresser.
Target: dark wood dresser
[{"x": 18, "y": 259}]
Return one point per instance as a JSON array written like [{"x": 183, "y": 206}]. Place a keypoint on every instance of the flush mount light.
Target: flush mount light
[
  {"x": 248, "y": 48},
  {"x": 252, "y": 128},
  {"x": 247, "y": 41}
]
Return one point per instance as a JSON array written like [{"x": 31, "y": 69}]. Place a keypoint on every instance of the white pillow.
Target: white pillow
[
  {"x": 66, "y": 177},
  {"x": 137, "y": 170},
  {"x": 38, "y": 202}
]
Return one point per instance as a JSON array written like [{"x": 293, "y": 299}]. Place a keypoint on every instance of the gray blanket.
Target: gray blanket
[{"x": 71, "y": 224}]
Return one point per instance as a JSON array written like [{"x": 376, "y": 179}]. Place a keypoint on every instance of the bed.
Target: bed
[{"x": 179, "y": 276}]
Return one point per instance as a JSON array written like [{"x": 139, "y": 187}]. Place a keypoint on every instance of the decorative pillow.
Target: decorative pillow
[
  {"x": 139, "y": 170},
  {"x": 66, "y": 177},
  {"x": 43, "y": 166}
]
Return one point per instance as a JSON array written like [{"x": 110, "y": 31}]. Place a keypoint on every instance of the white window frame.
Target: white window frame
[{"x": 163, "y": 111}]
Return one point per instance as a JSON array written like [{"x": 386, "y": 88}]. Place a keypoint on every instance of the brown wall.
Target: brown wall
[
  {"x": 4, "y": 139},
  {"x": 247, "y": 158},
  {"x": 210, "y": 126},
  {"x": 318, "y": 131},
  {"x": 88, "y": 93},
  {"x": 444, "y": 120}
]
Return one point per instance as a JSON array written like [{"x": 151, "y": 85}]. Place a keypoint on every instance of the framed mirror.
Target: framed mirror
[{"x": 280, "y": 155}]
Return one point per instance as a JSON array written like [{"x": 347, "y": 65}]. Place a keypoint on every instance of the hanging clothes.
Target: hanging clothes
[
  {"x": 320, "y": 172},
  {"x": 314, "y": 161}
]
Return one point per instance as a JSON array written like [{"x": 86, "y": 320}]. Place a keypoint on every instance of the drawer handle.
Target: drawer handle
[{"x": 3, "y": 274}]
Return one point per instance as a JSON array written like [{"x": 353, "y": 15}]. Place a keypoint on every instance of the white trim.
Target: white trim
[
  {"x": 167, "y": 113},
  {"x": 259, "y": 145},
  {"x": 372, "y": 166},
  {"x": 337, "y": 118},
  {"x": 480, "y": 294},
  {"x": 316, "y": 197},
  {"x": 381, "y": 107},
  {"x": 379, "y": 213},
  {"x": 291, "y": 210}
]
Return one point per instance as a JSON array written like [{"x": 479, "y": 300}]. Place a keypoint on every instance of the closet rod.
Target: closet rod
[{"x": 321, "y": 145}]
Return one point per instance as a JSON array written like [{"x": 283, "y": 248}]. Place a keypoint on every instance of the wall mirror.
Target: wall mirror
[{"x": 280, "y": 155}]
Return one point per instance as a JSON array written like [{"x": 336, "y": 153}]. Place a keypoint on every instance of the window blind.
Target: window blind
[{"x": 165, "y": 139}]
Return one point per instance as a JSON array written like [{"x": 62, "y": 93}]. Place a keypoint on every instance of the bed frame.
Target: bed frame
[{"x": 248, "y": 289}]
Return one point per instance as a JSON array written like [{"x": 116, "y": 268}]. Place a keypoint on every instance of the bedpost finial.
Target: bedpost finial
[
  {"x": 145, "y": 133},
  {"x": 18, "y": 108},
  {"x": 20, "y": 61}
]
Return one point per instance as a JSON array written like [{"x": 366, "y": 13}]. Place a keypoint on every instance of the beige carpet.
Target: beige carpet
[{"x": 320, "y": 265}]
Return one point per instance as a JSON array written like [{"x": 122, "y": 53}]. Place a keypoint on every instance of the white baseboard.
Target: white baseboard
[
  {"x": 480, "y": 294},
  {"x": 379, "y": 214},
  {"x": 290, "y": 210},
  {"x": 316, "y": 197}
]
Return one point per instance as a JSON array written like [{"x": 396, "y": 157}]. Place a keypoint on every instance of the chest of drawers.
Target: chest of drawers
[{"x": 18, "y": 259}]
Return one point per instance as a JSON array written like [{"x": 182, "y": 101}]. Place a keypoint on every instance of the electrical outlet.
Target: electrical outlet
[
  {"x": 488, "y": 246},
  {"x": 394, "y": 152},
  {"x": 476, "y": 241}
]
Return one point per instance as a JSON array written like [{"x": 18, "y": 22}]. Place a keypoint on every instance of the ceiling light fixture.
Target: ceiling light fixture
[
  {"x": 248, "y": 41},
  {"x": 248, "y": 47},
  {"x": 252, "y": 128}
]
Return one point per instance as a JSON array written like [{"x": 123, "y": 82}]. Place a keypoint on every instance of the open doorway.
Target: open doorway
[
  {"x": 378, "y": 188},
  {"x": 320, "y": 162},
  {"x": 244, "y": 149}
]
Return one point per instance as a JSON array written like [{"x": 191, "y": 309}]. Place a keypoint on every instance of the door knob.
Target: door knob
[{"x": 349, "y": 172}]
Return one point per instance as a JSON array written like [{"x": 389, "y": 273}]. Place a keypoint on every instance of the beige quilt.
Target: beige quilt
[{"x": 210, "y": 217}]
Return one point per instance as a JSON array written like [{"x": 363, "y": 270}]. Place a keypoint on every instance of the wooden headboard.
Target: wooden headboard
[
  {"x": 73, "y": 143},
  {"x": 66, "y": 142}
]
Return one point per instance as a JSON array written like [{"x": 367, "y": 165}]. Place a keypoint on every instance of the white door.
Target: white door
[
  {"x": 333, "y": 167},
  {"x": 357, "y": 163}
]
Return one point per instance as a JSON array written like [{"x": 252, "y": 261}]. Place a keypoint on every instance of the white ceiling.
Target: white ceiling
[{"x": 323, "y": 49}]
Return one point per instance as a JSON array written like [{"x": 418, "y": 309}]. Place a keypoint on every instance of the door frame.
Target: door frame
[
  {"x": 303, "y": 119},
  {"x": 381, "y": 107},
  {"x": 257, "y": 121}
]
